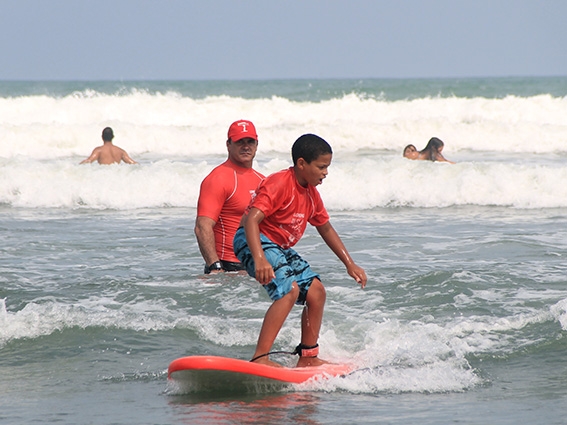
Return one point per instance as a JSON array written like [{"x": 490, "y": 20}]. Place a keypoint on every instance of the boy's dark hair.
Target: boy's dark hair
[
  {"x": 309, "y": 147},
  {"x": 107, "y": 134}
]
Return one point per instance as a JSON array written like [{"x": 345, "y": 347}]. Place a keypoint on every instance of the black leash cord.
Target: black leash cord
[
  {"x": 273, "y": 352},
  {"x": 292, "y": 353}
]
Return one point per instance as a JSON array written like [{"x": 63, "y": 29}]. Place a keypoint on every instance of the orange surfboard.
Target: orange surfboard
[{"x": 205, "y": 373}]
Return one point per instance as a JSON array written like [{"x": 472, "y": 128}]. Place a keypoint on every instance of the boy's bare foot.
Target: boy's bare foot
[
  {"x": 266, "y": 360},
  {"x": 310, "y": 361}
]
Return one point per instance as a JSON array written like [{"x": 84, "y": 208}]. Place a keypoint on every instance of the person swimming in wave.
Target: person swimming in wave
[
  {"x": 431, "y": 152},
  {"x": 108, "y": 153}
]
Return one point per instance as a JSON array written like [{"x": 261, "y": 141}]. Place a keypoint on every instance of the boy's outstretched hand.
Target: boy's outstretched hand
[
  {"x": 358, "y": 274},
  {"x": 333, "y": 241}
]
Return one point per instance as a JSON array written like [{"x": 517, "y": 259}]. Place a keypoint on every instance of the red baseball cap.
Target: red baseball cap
[{"x": 241, "y": 129}]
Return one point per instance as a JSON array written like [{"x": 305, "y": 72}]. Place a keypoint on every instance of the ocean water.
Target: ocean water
[{"x": 464, "y": 319}]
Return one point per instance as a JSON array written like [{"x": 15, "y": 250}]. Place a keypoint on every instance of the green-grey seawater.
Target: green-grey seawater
[{"x": 465, "y": 314}]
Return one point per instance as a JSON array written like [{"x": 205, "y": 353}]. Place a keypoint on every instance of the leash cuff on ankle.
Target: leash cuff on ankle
[{"x": 307, "y": 351}]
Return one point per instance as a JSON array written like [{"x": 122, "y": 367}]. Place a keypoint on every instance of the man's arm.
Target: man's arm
[
  {"x": 264, "y": 271},
  {"x": 93, "y": 157},
  {"x": 126, "y": 158},
  {"x": 206, "y": 240},
  {"x": 333, "y": 241}
]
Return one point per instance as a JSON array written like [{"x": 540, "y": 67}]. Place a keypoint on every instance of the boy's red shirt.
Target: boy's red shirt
[{"x": 288, "y": 207}]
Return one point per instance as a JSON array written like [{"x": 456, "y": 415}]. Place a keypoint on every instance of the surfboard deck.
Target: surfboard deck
[{"x": 212, "y": 373}]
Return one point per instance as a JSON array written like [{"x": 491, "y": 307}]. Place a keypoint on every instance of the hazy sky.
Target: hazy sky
[{"x": 265, "y": 39}]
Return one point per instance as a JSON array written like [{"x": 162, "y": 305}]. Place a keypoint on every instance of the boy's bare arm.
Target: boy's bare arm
[
  {"x": 264, "y": 271},
  {"x": 332, "y": 239}
]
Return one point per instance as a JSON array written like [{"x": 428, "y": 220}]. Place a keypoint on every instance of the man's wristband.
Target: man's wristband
[{"x": 217, "y": 265}]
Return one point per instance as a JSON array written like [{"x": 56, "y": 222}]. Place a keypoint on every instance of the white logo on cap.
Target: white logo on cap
[{"x": 243, "y": 125}]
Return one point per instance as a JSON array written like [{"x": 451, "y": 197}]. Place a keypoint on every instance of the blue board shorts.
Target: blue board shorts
[{"x": 288, "y": 267}]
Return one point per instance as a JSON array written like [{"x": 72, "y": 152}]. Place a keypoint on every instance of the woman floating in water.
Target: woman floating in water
[{"x": 432, "y": 151}]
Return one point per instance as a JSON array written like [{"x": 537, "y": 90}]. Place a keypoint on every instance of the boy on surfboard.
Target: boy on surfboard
[{"x": 274, "y": 221}]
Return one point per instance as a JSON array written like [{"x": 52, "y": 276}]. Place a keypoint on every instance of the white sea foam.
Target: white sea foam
[
  {"x": 170, "y": 125},
  {"x": 392, "y": 356},
  {"x": 510, "y": 151},
  {"x": 379, "y": 181},
  {"x": 559, "y": 311},
  {"x": 395, "y": 359}
]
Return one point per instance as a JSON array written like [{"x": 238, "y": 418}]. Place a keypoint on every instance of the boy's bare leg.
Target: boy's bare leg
[
  {"x": 273, "y": 322},
  {"x": 311, "y": 320}
]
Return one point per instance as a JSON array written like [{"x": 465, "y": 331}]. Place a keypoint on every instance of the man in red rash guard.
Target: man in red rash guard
[{"x": 224, "y": 195}]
